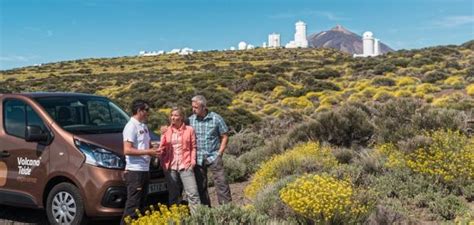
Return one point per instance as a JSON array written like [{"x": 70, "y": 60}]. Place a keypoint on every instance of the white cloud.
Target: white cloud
[
  {"x": 454, "y": 21},
  {"x": 15, "y": 58}
]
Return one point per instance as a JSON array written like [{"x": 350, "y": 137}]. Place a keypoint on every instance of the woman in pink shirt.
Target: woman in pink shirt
[{"x": 178, "y": 158}]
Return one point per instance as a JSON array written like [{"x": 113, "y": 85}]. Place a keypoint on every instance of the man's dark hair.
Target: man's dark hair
[{"x": 139, "y": 105}]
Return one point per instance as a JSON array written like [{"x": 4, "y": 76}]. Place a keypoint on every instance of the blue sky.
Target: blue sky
[{"x": 42, "y": 31}]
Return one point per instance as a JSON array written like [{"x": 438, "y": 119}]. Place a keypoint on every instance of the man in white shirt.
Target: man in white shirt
[{"x": 136, "y": 147}]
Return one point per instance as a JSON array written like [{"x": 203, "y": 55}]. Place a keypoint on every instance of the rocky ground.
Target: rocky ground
[{"x": 23, "y": 216}]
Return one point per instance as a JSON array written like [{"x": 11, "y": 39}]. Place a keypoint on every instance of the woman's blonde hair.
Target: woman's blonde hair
[{"x": 179, "y": 110}]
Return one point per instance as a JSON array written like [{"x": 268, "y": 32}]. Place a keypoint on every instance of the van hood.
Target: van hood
[{"x": 111, "y": 141}]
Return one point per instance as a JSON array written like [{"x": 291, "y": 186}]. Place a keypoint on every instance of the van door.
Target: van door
[{"x": 26, "y": 162}]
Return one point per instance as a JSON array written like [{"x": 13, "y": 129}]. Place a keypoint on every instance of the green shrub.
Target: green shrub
[
  {"x": 393, "y": 119},
  {"x": 243, "y": 141},
  {"x": 434, "y": 76},
  {"x": 449, "y": 207},
  {"x": 346, "y": 126},
  {"x": 234, "y": 169},
  {"x": 252, "y": 159},
  {"x": 431, "y": 118},
  {"x": 325, "y": 73},
  {"x": 383, "y": 81},
  {"x": 383, "y": 68},
  {"x": 226, "y": 214}
]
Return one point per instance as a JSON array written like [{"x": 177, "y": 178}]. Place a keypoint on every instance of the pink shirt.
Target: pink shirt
[
  {"x": 178, "y": 153},
  {"x": 177, "y": 148}
]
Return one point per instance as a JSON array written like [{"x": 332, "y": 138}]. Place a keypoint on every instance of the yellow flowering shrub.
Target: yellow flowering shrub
[
  {"x": 278, "y": 91},
  {"x": 470, "y": 90},
  {"x": 166, "y": 111},
  {"x": 450, "y": 156},
  {"x": 454, "y": 81},
  {"x": 322, "y": 198},
  {"x": 403, "y": 81},
  {"x": 382, "y": 95},
  {"x": 270, "y": 109},
  {"x": 446, "y": 100},
  {"x": 330, "y": 100},
  {"x": 369, "y": 92},
  {"x": 402, "y": 93},
  {"x": 427, "y": 88},
  {"x": 324, "y": 107},
  {"x": 362, "y": 84},
  {"x": 160, "y": 216},
  {"x": 297, "y": 102},
  {"x": 357, "y": 97},
  {"x": 250, "y": 100},
  {"x": 288, "y": 163},
  {"x": 314, "y": 95}
]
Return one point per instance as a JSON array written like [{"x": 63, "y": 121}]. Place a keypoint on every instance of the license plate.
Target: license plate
[{"x": 156, "y": 187}]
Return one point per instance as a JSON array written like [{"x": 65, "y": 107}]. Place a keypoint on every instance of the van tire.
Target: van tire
[{"x": 65, "y": 205}]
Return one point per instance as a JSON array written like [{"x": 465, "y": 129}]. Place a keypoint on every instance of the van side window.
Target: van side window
[
  {"x": 33, "y": 118},
  {"x": 15, "y": 118},
  {"x": 18, "y": 115}
]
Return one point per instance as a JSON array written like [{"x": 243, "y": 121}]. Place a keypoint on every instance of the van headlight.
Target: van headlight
[{"x": 98, "y": 156}]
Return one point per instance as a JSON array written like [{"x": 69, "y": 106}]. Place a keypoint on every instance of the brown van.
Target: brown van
[{"x": 63, "y": 152}]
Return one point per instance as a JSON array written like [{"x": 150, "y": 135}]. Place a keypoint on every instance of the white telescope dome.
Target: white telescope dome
[{"x": 368, "y": 34}]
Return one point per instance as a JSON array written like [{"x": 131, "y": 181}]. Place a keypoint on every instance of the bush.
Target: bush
[
  {"x": 252, "y": 159},
  {"x": 234, "y": 169},
  {"x": 430, "y": 118},
  {"x": 443, "y": 155},
  {"x": 449, "y": 207},
  {"x": 384, "y": 67},
  {"x": 470, "y": 90},
  {"x": 407, "y": 194},
  {"x": 243, "y": 142},
  {"x": 161, "y": 215},
  {"x": 303, "y": 158},
  {"x": 455, "y": 81},
  {"x": 434, "y": 76},
  {"x": 225, "y": 214},
  {"x": 404, "y": 81},
  {"x": 324, "y": 199},
  {"x": 383, "y": 81},
  {"x": 344, "y": 127},
  {"x": 237, "y": 118},
  {"x": 325, "y": 73},
  {"x": 299, "y": 103},
  {"x": 268, "y": 202},
  {"x": 393, "y": 119}
]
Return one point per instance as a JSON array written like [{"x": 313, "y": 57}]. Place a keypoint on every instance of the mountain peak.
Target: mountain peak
[
  {"x": 342, "y": 39},
  {"x": 340, "y": 28}
]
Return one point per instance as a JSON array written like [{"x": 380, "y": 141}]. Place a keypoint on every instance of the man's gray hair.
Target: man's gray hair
[{"x": 200, "y": 99}]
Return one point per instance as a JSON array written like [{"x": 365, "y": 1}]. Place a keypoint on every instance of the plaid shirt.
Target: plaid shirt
[{"x": 208, "y": 135}]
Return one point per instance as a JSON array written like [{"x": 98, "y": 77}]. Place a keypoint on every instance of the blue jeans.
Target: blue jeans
[{"x": 177, "y": 180}]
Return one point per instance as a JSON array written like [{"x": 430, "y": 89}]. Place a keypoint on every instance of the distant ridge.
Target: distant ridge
[{"x": 342, "y": 39}]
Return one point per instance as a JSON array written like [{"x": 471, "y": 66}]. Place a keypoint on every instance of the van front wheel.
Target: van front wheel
[{"x": 65, "y": 205}]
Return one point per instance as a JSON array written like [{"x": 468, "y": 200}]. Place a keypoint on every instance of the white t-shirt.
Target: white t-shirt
[{"x": 138, "y": 134}]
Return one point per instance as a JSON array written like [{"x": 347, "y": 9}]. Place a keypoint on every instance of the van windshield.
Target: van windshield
[{"x": 85, "y": 115}]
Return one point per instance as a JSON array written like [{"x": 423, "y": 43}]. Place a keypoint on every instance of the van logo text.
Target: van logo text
[{"x": 25, "y": 165}]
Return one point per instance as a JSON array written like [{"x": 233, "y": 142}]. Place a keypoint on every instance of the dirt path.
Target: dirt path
[{"x": 237, "y": 190}]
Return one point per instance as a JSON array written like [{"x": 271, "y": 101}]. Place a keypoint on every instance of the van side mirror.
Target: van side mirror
[{"x": 35, "y": 134}]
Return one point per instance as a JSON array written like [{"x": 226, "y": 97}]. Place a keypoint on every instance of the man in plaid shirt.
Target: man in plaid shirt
[{"x": 211, "y": 138}]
